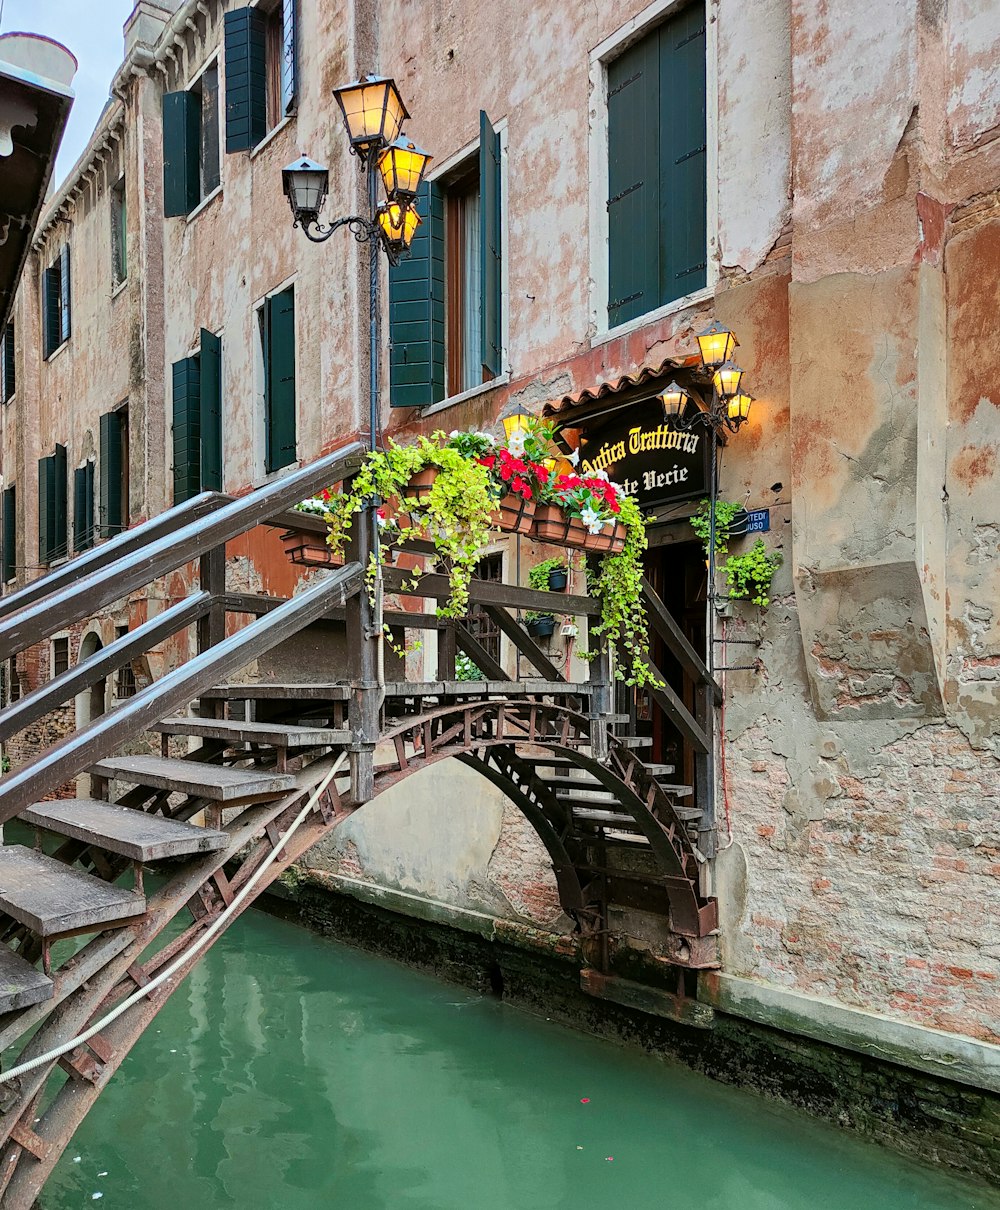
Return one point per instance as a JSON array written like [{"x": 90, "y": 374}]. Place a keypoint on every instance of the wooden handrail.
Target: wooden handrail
[
  {"x": 115, "y": 548},
  {"x": 173, "y": 691},
  {"x": 677, "y": 712},
  {"x": 135, "y": 570},
  {"x": 523, "y": 642},
  {"x": 487, "y": 665},
  {"x": 488, "y": 592},
  {"x": 68, "y": 684},
  {"x": 666, "y": 627}
]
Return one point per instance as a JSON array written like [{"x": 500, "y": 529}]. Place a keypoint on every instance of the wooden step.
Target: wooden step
[
  {"x": 20, "y": 984},
  {"x": 327, "y": 691},
  {"x": 236, "y": 731},
  {"x": 215, "y": 782},
  {"x": 51, "y": 898},
  {"x": 607, "y": 801},
  {"x": 132, "y": 834}
]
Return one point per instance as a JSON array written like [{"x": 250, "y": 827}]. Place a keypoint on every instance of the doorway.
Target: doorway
[{"x": 677, "y": 573}]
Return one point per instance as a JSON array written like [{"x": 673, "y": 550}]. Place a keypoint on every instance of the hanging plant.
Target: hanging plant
[
  {"x": 538, "y": 578},
  {"x": 749, "y": 575},
  {"x": 725, "y": 512}
]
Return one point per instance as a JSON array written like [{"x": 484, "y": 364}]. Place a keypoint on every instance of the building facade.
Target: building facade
[{"x": 607, "y": 180}]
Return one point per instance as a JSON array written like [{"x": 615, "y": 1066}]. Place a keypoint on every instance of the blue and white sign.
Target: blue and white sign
[{"x": 758, "y": 520}]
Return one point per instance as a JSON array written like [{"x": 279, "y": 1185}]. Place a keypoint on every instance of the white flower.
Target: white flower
[
  {"x": 591, "y": 519},
  {"x": 574, "y": 458},
  {"x": 515, "y": 443},
  {"x": 600, "y": 475}
]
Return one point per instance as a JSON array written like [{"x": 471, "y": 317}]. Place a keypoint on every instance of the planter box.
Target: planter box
[
  {"x": 308, "y": 549},
  {"x": 420, "y": 485},
  {"x": 514, "y": 514},
  {"x": 553, "y": 525},
  {"x": 608, "y": 541}
]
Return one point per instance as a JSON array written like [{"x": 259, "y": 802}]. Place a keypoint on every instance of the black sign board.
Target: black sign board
[{"x": 653, "y": 462}]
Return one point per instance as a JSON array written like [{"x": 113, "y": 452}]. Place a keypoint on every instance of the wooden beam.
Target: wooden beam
[
  {"x": 489, "y": 592},
  {"x": 486, "y": 664},
  {"x": 677, "y": 712},
  {"x": 244, "y": 602},
  {"x": 666, "y": 627},
  {"x": 523, "y": 642}
]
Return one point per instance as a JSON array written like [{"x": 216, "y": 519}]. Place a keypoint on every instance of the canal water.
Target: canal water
[{"x": 290, "y": 1072}]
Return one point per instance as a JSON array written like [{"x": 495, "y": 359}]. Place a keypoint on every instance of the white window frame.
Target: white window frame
[
  {"x": 602, "y": 54},
  {"x": 444, "y": 169}
]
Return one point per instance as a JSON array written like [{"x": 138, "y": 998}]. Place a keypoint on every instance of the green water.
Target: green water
[{"x": 292, "y": 1072}]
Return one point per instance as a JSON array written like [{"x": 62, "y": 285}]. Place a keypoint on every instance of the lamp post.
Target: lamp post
[
  {"x": 373, "y": 114},
  {"x": 713, "y": 400}
]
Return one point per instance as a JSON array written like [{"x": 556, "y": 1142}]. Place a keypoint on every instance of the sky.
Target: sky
[{"x": 92, "y": 30}]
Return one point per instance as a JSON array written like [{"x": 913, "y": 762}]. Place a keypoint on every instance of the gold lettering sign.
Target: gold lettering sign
[{"x": 641, "y": 441}]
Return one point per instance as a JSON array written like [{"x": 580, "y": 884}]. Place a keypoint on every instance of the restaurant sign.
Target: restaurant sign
[{"x": 653, "y": 462}]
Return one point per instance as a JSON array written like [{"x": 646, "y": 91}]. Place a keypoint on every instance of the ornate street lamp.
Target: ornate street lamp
[
  {"x": 719, "y": 406},
  {"x": 374, "y": 113}
]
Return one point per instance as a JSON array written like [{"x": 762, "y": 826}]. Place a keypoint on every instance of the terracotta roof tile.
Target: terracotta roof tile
[{"x": 625, "y": 382}]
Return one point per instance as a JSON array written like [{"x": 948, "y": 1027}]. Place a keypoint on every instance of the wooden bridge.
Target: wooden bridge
[{"x": 273, "y": 769}]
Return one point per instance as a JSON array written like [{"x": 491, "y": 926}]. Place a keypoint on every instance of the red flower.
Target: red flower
[{"x": 488, "y": 462}]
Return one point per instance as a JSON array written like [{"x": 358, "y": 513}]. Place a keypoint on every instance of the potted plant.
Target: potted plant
[
  {"x": 306, "y": 546},
  {"x": 749, "y": 575},
  {"x": 583, "y": 511},
  {"x": 726, "y": 519},
  {"x": 557, "y": 573},
  {"x": 542, "y": 625}
]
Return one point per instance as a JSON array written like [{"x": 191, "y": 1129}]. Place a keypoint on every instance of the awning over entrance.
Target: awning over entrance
[{"x": 35, "y": 100}]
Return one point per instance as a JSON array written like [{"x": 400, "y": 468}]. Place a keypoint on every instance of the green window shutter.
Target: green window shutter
[
  {"x": 633, "y": 188},
  {"x": 9, "y": 533},
  {"x": 289, "y": 55},
  {"x": 8, "y": 379},
  {"x": 186, "y": 389},
  {"x": 490, "y": 251},
  {"x": 246, "y": 79},
  {"x": 111, "y": 474},
  {"x": 181, "y": 152},
  {"x": 682, "y": 155},
  {"x": 83, "y": 507},
  {"x": 46, "y": 508},
  {"x": 60, "y": 484},
  {"x": 51, "y": 297},
  {"x": 416, "y": 311},
  {"x": 211, "y": 411},
  {"x": 65, "y": 326},
  {"x": 279, "y": 359}
]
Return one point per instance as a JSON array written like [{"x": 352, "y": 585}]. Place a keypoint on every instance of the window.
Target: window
[
  {"x": 60, "y": 656},
  {"x": 197, "y": 420},
  {"x": 114, "y": 468},
  {"x": 445, "y": 300},
  {"x": 83, "y": 507},
  {"x": 276, "y": 333},
  {"x": 260, "y": 47},
  {"x": 52, "y": 540},
  {"x": 9, "y": 552},
  {"x": 191, "y": 169},
  {"x": 125, "y": 679},
  {"x": 56, "y": 302},
  {"x": 119, "y": 246},
  {"x": 657, "y": 230},
  {"x": 13, "y": 681},
  {"x": 8, "y": 381}
]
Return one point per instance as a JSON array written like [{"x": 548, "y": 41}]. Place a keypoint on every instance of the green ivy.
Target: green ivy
[
  {"x": 749, "y": 575},
  {"x": 701, "y": 523}
]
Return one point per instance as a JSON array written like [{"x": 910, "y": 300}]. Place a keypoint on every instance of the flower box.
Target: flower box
[
  {"x": 514, "y": 514},
  {"x": 609, "y": 541},
  {"x": 309, "y": 549},
  {"x": 550, "y": 524},
  {"x": 421, "y": 483},
  {"x": 553, "y": 525}
]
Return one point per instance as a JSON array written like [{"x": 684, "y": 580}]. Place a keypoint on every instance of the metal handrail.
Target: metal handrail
[
  {"x": 115, "y": 548},
  {"x": 173, "y": 691},
  {"x": 139, "y": 567}
]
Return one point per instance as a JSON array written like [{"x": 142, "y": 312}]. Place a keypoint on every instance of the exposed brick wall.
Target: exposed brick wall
[{"x": 891, "y": 900}]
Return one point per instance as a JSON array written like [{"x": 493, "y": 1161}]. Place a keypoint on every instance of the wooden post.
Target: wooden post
[
  {"x": 447, "y": 652},
  {"x": 212, "y": 627},
  {"x": 362, "y": 646},
  {"x": 600, "y": 696}
]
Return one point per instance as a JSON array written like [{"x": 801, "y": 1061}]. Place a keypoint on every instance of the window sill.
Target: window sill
[
  {"x": 204, "y": 203},
  {"x": 500, "y": 381},
  {"x": 664, "y": 312},
  {"x": 55, "y": 352},
  {"x": 119, "y": 288},
  {"x": 271, "y": 134}
]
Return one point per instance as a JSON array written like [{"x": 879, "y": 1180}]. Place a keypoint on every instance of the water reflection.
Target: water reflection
[{"x": 291, "y": 1072}]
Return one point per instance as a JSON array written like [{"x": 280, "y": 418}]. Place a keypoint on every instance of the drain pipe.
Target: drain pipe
[{"x": 168, "y": 972}]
